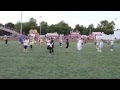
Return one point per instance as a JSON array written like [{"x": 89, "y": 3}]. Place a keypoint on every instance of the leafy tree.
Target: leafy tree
[
  {"x": 10, "y": 25},
  {"x": 106, "y": 27}
]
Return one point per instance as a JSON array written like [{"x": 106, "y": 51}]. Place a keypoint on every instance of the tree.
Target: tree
[
  {"x": 62, "y": 28},
  {"x": 44, "y": 28},
  {"x": 81, "y": 29},
  {"x": 18, "y": 26},
  {"x": 26, "y": 26},
  {"x": 91, "y": 28},
  {"x": 106, "y": 27},
  {"x": 77, "y": 28},
  {"x": 1, "y": 24},
  {"x": 32, "y": 22},
  {"x": 10, "y": 25},
  {"x": 52, "y": 28}
]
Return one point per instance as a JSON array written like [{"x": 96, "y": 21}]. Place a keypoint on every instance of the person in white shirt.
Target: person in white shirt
[
  {"x": 97, "y": 44},
  {"x": 60, "y": 41},
  {"x": 48, "y": 44},
  {"x": 100, "y": 45},
  {"x": 26, "y": 44},
  {"x": 111, "y": 45},
  {"x": 79, "y": 44}
]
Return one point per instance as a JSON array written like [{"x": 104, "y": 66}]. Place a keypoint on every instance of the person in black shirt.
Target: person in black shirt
[
  {"x": 6, "y": 39},
  {"x": 52, "y": 43},
  {"x": 67, "y": 43}
]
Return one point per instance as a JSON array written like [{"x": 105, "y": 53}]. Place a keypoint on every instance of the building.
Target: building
[
  {"x": 94, "y": 34},
  {"x": 54, "y": 35},
  {"x": 74, "y": 35},
  {"x": 117, "y": 34}
]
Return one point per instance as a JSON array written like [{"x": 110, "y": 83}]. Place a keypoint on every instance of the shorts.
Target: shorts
[
  {"x": 25, "y": 46},
  {"x": 48, "y": 47}
]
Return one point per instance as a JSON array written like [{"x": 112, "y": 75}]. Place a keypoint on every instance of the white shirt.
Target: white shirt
[
  {"x": 112, "y": 42},
  {"x": 48, "y": 42},
  {"x": 80, "y": 42},
  {"x": 101, "y": 43},
  {"x": 26, "y": 42}
]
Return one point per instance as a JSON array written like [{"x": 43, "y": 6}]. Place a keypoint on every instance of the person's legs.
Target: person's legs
[
  {"x": 81, "y": 47},
  {"x": 24, "y": 49},
  {"x": 5, "y": 41},
  {"x": 67, "y": 45},
  {"x": 60, "y": 44},
  {"x": 100, "y": 49},
  {"x": 111, "y": 48},
  {"x": 20, "y": 44},
  {"x": 31, "y": 46},
  {"x": 50, "y": 50}
]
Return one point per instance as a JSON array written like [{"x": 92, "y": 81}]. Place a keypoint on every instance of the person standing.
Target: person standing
[
  {"x": 31, "y": 42},
  {"x": 6, "y": 39},
  {"x": 49, "y": 46},
  {"x": 60, "y": 42},
  {"x": 41, "y": 41},
  {"x": 20, "y": 39},
  {"x": 52, "y": 44},
  {"x": 67, "y": 43},
  {"x": 111, "y": 45},
  {"x": 48, "y": 43},
  {"x": 26, "y": 44},
  {"x": 100, "y": 45},
  {"x": 97, "y": 44},
  {"x": 79, "y": 44}
]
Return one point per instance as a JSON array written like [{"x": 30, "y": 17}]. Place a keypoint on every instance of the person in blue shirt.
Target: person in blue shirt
[{"x": 20, "y": 41}]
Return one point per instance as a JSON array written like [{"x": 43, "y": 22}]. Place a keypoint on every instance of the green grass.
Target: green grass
[{"x": 63, "y": 64}]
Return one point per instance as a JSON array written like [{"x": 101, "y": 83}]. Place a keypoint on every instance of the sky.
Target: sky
[{"x": 84, "y": 18}]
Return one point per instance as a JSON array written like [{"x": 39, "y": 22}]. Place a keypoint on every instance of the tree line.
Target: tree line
[{"x": 61, "y": 27}]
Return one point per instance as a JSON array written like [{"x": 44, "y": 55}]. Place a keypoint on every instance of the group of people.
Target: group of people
[
  {"x": 50, "y": 45},
  {"x": 25, "y": 42},
  {"x": 99, "y": 44},
  {"x": 28, "y": 41}
]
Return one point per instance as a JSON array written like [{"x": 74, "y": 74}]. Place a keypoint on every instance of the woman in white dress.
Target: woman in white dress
[
  {"x": 111, "y": 45},
  {"x": 97, "y": 44},
  {"x": 79, "y": 44},
  {"x": 100, "y": 45}
]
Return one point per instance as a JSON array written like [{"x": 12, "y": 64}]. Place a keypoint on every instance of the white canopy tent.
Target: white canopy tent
[{"x": 117, "y": 34}]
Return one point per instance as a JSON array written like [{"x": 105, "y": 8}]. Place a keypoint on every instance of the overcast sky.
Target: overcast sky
[{"x": 71, "y": 17}]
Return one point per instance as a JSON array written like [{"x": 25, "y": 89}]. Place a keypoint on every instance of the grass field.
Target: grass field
[{"x": 63, "y": 64}]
